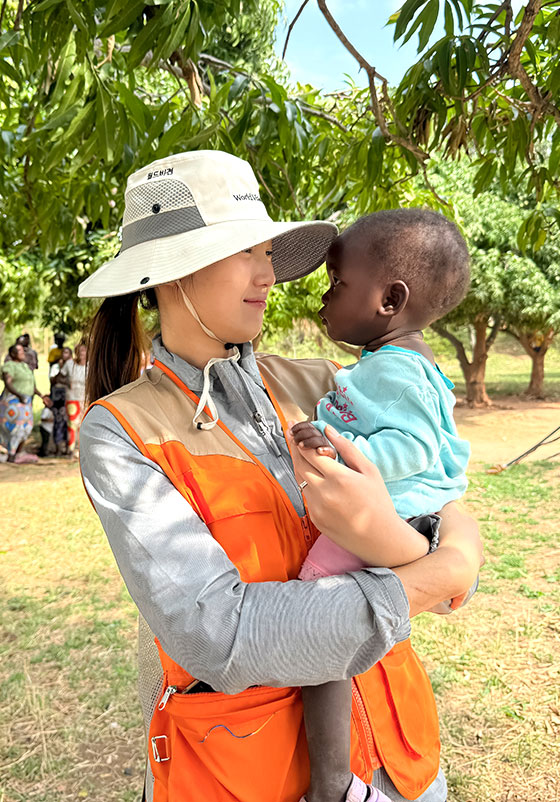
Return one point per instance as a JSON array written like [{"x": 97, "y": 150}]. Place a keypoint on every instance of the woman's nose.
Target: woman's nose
[
  {"x": 325, "y": 297},
  {"x": 266, "y": 272}
]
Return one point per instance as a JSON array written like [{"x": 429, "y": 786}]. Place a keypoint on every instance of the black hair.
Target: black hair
[
  {"x": 116, "y": 343},
  {"x": 422, "y": 248},
  {"x": 12, "y": 350}
]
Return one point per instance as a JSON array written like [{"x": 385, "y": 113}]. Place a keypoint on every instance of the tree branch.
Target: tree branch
[
  {"x": 293, "y": 22},
  {"x": 372, "y": 75},
  {"x": 455, "y": 342},
  {"x": 493, "y": 333},
  {"x": 19, "y": 15},
  {"x": 541, "y": 103},
  {"x": 2, "y": 12}
]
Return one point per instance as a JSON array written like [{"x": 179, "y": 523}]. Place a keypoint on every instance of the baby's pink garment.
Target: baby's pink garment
[{"x": 326, "y": 558}]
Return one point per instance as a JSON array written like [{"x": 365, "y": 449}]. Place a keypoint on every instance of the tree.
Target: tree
[
  {"x": 94, "y": 89},
  {"x": 533, "y": 317},
  {"x": 510, "y": 290}
]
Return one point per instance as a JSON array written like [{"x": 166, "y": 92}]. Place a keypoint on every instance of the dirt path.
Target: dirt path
[
  {"x": 502, "y": 432},
  {"x": 497, "y": 435}
]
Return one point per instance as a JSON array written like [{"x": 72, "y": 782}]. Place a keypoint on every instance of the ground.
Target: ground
[
  {"x": 505, "y": 430},
  {"x": 70, "y": 726}
]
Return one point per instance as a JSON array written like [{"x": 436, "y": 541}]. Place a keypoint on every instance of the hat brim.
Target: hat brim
[{"x": 297, "y": 250}]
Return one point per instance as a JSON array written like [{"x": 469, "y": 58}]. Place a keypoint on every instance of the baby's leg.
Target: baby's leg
[{"x": 327, "y": 712}]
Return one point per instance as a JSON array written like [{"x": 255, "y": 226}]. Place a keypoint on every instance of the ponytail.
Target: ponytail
[{"x": 116, "y": 344}]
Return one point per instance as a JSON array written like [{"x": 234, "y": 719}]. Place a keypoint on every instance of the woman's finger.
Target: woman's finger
[{"x": 352, "y": 457}]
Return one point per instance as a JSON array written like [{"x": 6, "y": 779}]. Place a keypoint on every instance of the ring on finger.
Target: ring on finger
[{"x": 302, "y": 485}]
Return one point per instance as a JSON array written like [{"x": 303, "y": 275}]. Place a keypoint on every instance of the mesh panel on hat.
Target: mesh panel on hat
[
  {"x": 299, "y": 252},
  {"x": 169, "y": 194}
]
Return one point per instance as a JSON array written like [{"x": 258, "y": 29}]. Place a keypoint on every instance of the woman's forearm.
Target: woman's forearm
[{"x": 451, "y": 569}]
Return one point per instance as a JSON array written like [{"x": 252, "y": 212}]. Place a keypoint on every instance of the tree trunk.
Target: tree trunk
[
  {"x": 537, "y": 352},
  {"x": 474, "y": 371},
  {"x": 536, "y": 382}
]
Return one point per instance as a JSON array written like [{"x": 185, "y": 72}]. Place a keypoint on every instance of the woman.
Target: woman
[
  {"x": 74, "y": 372},
  {"x": 189, "y": 471},
  {"x": 16, "y": 404}
]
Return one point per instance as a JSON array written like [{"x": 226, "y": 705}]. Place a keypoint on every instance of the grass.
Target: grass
[
  {"x": 71, "y": 726},
  {"x": 494, "y": 666}
]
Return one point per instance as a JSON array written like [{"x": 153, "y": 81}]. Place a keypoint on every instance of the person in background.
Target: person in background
[
  {"x": 46, "y": 427},
  {"x": 59, "y": 386},
  {"x": 16, "y": 405},
  {"x": 74, "y": 373},
  {"x": 55, "y": 353},
  {"x": 30, "y": 354}
]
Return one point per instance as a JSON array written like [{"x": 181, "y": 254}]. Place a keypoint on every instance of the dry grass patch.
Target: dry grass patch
[{"x": 70, "y": 725}]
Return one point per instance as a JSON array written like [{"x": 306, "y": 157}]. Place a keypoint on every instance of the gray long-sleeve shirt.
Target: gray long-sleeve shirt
[{"x": 226, "y": 632}]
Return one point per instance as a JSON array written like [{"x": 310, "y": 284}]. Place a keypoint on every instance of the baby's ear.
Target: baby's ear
[{"x": 395, "y": 298}]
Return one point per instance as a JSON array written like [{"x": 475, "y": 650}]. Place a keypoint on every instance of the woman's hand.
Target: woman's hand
[{"x": 350, "y": 502}]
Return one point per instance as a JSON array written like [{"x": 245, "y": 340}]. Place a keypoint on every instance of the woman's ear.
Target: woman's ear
[{"x": 395, "y": 298}]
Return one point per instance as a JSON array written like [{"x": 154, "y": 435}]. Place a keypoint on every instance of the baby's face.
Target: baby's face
[{"x": 356, "y": 293}]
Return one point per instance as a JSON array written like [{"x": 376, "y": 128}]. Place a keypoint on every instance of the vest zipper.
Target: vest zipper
[
  {"x": 169, "y": 691},
  {"x": 364, "y": 728},
  {"x": 265, "y": 433},
  {"x": 305, "y": 527}
]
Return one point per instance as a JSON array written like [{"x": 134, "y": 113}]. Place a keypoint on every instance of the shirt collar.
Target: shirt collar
[{"x": 192, "y": 376}]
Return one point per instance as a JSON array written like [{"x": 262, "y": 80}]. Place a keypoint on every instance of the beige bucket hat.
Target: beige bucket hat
[{"x": 187, "y": 211}]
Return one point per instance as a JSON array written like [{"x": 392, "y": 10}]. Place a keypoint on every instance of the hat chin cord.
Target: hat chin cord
[{"x": 205, "y": 397}]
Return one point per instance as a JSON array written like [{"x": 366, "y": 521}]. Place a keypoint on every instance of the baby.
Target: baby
[{"x": 392, "y": 274}]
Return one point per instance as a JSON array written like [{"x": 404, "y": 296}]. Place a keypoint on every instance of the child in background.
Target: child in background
[
  {"x": 392, "y": 274},
  {"x": 46, "y": 426}
]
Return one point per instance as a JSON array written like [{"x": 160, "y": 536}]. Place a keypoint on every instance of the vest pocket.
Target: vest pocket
[
  {"x": 412, "y": 697},
  {"x": 247, "y": 747}
]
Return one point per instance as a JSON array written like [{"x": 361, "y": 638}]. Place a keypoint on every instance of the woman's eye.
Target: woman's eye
[
  {"x": 269, "y": 254},
  {"x": 334, "y": 281}
]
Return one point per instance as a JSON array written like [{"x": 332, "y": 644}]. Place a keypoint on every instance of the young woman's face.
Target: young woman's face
[
  {"x": 230, "y": 295},
  {"x": 66, "y": 354},
  {"x": 81, "y": 354}
]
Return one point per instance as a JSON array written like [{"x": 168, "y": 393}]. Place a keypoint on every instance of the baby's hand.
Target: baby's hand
[{"x": 307, "y": 436}]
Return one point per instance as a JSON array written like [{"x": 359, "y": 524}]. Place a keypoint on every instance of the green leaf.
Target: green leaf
[
  {"x": 461, "y": 61},
  {"x": 10, "y": 71},
  {"x": 554, "y": 80},
  {"x": 77, "y": 18},
  {"x": 104, "y": 123},
  {"x": 449, "y": 21},
  {"x": 129, "y": 13},
  {"x": 46, "y": 4},
  {"x": 484, "y": 176},
  {"x": 137, "y": 109},
  {"x": 66, "y": 62},
  {"x": 143, "y": 42},
  {"x": 8, "y": 39},
  {"x": 176, "y": 38},
  {"x": 443, "y": 61},
  {"x": 405, "y": 15},
  {"x": 426, "y": 21},
  {"x": 238, "y": 86}
]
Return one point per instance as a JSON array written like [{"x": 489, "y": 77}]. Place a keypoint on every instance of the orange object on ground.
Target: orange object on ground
[{"x": 251, "y": 746}]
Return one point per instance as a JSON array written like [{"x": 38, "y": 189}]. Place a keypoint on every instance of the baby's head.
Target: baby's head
[{"x": 393, "y": 270}]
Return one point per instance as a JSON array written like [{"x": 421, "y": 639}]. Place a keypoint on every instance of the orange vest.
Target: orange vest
[{"x": 250, "y": 747}]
